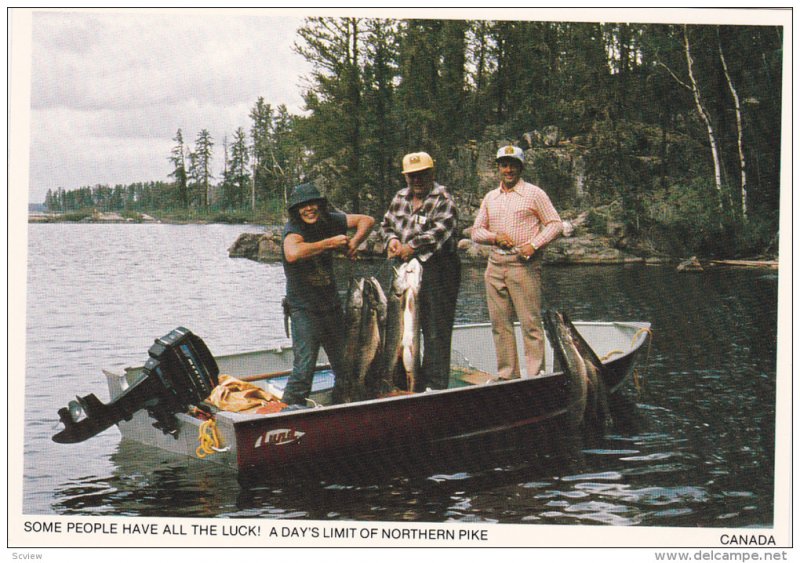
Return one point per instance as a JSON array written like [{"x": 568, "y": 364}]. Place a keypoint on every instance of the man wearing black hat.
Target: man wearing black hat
[{"x": 311, "y": 236}]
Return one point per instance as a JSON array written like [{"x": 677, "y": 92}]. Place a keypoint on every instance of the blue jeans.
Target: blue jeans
[{"x": 310, "y": 330}]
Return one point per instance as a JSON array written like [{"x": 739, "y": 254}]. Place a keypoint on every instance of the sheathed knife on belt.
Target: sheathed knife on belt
[{"x": 287, "y": 318}]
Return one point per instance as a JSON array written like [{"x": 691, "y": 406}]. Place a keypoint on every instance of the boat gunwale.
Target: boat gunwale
[
  {"x": 280, "y": 348},
  {"x": 238, "y": 425},
  {"x": 238, "y": 418},
  {"x": 246, "y": 418}
]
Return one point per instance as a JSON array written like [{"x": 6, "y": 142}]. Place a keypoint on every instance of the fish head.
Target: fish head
[
  {"x": 415, "y": 271},
  {"x": 378, "y": 298},
  {"x": 563, "y": 343},
  {"x": 408, "y": 276},
  {"x": 355, "y": 295},
  {"x": 376, "y": 289}
]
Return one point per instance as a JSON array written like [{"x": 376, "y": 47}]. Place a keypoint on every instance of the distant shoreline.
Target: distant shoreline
[
  {"x": 136, "y": 218},
  {"x": 94, "y": 218}
]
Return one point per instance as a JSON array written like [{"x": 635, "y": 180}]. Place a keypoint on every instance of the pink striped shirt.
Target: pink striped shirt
[{"x": 524, "y": 212}]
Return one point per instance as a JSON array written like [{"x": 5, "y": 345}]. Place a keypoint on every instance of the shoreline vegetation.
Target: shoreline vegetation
[
  {"x": 578, "y": 245},
  {"x": 663, "y": 140},
  {"x": 180, "y": 217}
]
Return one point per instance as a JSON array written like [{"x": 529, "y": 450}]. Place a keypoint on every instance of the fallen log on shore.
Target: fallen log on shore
[{"x": 773, "y": 264}]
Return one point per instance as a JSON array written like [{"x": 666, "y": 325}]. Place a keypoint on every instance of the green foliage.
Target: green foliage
[
  {"x": 268, "y": 213},
  {"x": 551, "y": 169},
  {"x": 597, "y": 222},
  {"x": 685, "y": 220},
  {"x": 78, "y": 215},
  {"x": 132, "y": 215},
  {"x": 231, "y": 217},
  {"x": 620, "y": 95}
]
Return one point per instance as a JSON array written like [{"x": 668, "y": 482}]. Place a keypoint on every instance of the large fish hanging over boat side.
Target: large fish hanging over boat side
[
  {"x": 597, "y": 409},
  {"x": 401, "y": 353},
  {"x": 584, "y": 371}
]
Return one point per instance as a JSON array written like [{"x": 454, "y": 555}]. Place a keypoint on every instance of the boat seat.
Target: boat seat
[{"x": 470, "y": 376}]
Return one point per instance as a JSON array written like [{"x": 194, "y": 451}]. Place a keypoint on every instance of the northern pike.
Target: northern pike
[
  {"x": 583, "y": 370},
  {"x": 344, "y": 385},
  {"x": 373, "y": 320},
  {"x": 365, "y": 317},
  {"x": 401, "y": 356}
]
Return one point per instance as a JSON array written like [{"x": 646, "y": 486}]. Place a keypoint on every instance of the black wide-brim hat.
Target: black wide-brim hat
[{"x": 303, "y": 194}]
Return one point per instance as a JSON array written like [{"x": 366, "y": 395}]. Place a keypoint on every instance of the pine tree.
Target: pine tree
[
  {"x": 334, "y": 127},
  {"x": 178, "y": 160},
  {"x": 202, "y": 157}
]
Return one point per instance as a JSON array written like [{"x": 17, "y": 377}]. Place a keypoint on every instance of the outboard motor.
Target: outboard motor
[{"x": 179, "y": 372}]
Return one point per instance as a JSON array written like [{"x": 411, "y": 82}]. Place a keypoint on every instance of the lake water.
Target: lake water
[{"x": 693, "y": 446}]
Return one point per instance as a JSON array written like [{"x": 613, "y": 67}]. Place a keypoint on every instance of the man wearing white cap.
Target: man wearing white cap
[{"x": 518, "y": 220}]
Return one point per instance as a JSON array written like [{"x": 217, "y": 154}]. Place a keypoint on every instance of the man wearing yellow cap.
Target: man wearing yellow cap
[
  {"x": 518, "y": 220},
  {"x": 422, "y": 223}
]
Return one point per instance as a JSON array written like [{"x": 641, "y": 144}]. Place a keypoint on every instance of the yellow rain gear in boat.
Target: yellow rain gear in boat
[{"x": 235, "y": 395}]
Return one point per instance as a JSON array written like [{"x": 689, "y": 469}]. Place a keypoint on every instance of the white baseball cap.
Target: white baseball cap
[{"x": 510, "y": 151}]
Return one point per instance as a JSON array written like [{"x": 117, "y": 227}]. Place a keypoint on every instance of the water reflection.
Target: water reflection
[
  {"x": 522, "y": 476},
  {"x": 693, "y": 445}
]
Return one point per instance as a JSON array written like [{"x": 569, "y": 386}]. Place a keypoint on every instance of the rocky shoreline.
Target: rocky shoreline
[
  {"x": 586, "y": 249},
  {"x": 575, "y": 247},
  {"x": 95, "y": 217}
]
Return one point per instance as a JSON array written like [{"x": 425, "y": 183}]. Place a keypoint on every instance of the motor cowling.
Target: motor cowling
[{"x": 179, "y": 372}]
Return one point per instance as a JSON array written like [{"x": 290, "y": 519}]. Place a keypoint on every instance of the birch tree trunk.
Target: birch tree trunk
[
  {"x": 704, "y": 116},
  {"x": 739, "y": 130}
]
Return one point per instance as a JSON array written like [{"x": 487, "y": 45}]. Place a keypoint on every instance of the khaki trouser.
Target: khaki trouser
[{"x": 515, "y": 286}]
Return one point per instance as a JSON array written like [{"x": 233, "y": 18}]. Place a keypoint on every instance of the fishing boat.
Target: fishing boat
[{"x": 475, "y": 404}]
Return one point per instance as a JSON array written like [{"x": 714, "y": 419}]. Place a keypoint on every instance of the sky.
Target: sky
[{"x": 110, "y": 90}]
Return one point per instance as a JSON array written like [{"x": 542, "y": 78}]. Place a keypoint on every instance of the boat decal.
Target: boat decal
[{"x": 279, "y": 437}]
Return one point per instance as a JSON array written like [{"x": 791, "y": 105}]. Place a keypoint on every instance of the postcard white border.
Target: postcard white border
[{"x": 503, "y": 535}]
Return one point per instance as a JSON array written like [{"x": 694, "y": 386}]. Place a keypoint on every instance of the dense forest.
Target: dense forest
[{"x": 671, "y": 130}]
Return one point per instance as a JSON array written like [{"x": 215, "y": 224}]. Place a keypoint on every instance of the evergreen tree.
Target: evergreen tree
[
  {"x": 201, "y": 161},
  {"x": 381, "y": 119},
  {"x": 262, "y": 187},
  {"x": 178, "y": 160},
  {"x": 286, "y": 152},
  {"x": 237, "y": 174},
  {"x": 333, "y": 130},
  {"x": 418, "y": 91}
]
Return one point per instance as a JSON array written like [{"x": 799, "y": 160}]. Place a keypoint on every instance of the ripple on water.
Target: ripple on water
[
  {"x": 555, "y": 493},
  {"x": 454, "y": 477},
  {"x": 672, "y": 513},
  {"x": 611, "y": 452},
  {"x": 675, "y": 468},
  {"x": 97, "y": 299},
  {"x": 650, "y": 457},
  {"x": 606, "y": 476},
  {"x": 536, "y": 485},
  {"x": 594, "y": 516}
]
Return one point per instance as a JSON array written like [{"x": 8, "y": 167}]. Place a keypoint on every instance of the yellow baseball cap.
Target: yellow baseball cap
[{"x": 416, "y": 161}]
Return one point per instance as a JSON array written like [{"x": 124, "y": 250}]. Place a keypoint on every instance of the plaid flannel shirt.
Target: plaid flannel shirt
[{"x": 425, "y": 230}]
